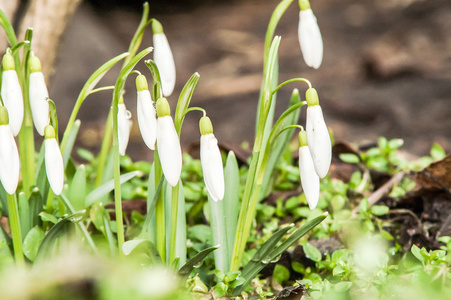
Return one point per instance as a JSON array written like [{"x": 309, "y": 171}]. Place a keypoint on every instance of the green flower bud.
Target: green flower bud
[
  {"x": 205, "y": 126},
  {"x": 49, "y": 132},
  {"x": 141, "y": 83},
  {"x": 34, "y": 64},
  {"x": 312, "y": 97},
  {"x": 163, "y": 108},
  {"x": 8, "y": 62},
  {"x": 4, "y": 118},
  {"x": 157, "y": 27},
  {"x": 304, "y": 4},
  {"x": 302, "y": 138}
]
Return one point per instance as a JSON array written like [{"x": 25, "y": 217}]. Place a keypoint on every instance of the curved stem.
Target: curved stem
[
  {"x": 194, "y": 109},
  {"x": 289, "y": 81},
  {"x": 14, "y": 224}
]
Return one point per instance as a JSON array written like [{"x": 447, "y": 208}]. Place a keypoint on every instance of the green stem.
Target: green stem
[
  {"x": 173, "y": 227},
  {"x": 289, "y": 81},
  {"x": 159, "y": 210},
  {"x": 219, "y": 232},
  {"x": 14, "y": 225},
  {"x": 105, "y": 149}
]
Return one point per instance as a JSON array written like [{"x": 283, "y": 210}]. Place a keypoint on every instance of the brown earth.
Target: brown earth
[{"x": 386, "y": 68}]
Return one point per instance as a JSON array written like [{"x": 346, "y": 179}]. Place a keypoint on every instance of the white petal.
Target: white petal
[
  {"x": 54, "y": 166},
  {"x": 309, "y": 178},
  {"x": 165, "y": 62},
  {"x": 169, "y": 150},
  {"x": 310, "y": 39},
  {"x": 13, "y": 100},
  {"x": 318, "y": 140},
  {"x": 210, "y": 158},
  {"x": 9, "y": 160},
  {"x": 123, "y": 126},
  {"x": 147, "y": 120},
  {"x": 38, "y": 101}
]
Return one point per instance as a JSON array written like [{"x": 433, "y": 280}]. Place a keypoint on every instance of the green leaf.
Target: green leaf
[
  {"x": 71, "y": 141},
  {"x": 142, "y": 246},
  {"x": 395, "y": 144},
  {"x": 343, "y": 286},
  {"x": 77, "y": 189},
  {"x": 349, "y": 158},
  {"x": 8, "y": 27},
  {"x": 107, "y": 187},
  {"x": 280, "y": 274},
  {"x": 196, "y": 260},
  {"x": 259, "y": 261},
  {"x": 46, "y": 217},
  {"x": 379, "y": 210},
  {"x": 231, "y": 199},
  {"x": 311, "y": 252},
  {"x": 24, "y": 214},
  {"x": 61, "y": 229},
  {"x": 184, "y": 100},
  {"x": 417, "y": 253},
  {"x": 437, "y": 152},
  {"x": 32, "y": 242}
]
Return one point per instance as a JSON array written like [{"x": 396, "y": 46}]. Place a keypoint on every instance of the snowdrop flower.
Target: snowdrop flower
[
  {"x": 168, "y": 143},
  {"x": 38, "y": 96},
  {"x": 163, "y": 58},
  {"x": 12, "y": 94},
  {"x": 309, "y": 178},
  {"x": 54, "y": 166},
  {"x": 317, "y": 135},
  {"x": 310, "y": 38},
  {"x": 147, "y": 120},
  {"x": 9, "y": 155},
  {"x": 123, "y": 125},
  {"x": 210, "y": 158}
]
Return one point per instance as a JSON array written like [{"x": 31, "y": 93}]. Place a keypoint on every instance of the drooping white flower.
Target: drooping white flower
[
  {"x": 12, "y": 94},
  {"x": 123, "y": 125},
  {"x": 163, "y": 59},
  {"x": 54, "y": 166},
  {"x": 168, "y": 144},
  {"x": 317, "y": 135},
  {"x": 38, "y": 96},
  {"x": 210, "y": 158},
  {"x": 309, "y": 178},
  {"x": 9, "y": 155},
  {"x": 147, "y": 120},
  {"x": 310, "y": 38}
]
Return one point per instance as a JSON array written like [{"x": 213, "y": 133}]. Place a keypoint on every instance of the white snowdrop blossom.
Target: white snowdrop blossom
[
  {"x": 310, "y": 38},
  {"x": 163, "y": 59},
  {"x": 146, "y": 113},
  {"x": 210, "y": 158},
  {"x": 12, "y": 94},
  {"x": 54, "y": 166},
  {"x": 309, "y": 178},
  {"x": 38, "y": 96},
  {"x": 168, "y": 144},
  {"x": 318, "y": 135},
  {"x": 123, "y": 125},
  {"x": 9, "y": 155}
]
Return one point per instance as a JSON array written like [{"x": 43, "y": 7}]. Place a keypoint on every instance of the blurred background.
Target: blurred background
[{"x": 386, "y": 68}]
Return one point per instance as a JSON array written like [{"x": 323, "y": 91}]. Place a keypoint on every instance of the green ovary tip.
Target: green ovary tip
[
  {"x": 34, "y": 64},
  {"x": 8, "y": 62},
  {"x": 312, "y": 97},
  {"x": 163, "y": 108},
  {"x": 4, "y": 118},
  {"x": 49, "y": 132},
  {"x": 141, "y": 83},
  {"x": 157, "y": 27},
  {"x": 302, "y": 138},
  {"x": 205, "y": 126}
]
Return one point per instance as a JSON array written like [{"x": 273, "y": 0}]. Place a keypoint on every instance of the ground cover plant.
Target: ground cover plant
[{"x": 288, "y": 220}]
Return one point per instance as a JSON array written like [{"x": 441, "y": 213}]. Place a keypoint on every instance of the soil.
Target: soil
[{"x": 386, "y": 68}]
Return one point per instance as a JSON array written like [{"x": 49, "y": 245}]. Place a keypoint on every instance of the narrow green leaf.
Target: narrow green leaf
[
  {"x": 32, "y": 242},
  {"x": 184, "y": 100},
  {"x": 157, "y": 91},
  {"x": 195, "y": 261},
  {"x": 77, "y": 190},
  {"x": 107, "y": 187},
  {"x": 60, "y": 229},
  {"x": 71, "y": 141},
  {"x": 53, "y": 117},
  {"x": 231, "y": 199},
  {"x": 36, "y": 206},
  {"x": 219, "y": 233},
  {"x": 46, "y": 217},
  {"x": 8, "y": 27},
  {"x": 24, "y": 214}
]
